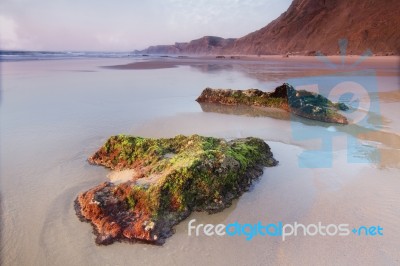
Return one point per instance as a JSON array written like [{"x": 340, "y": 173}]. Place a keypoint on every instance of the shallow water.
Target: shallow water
[{"x": 54, "y": 114}]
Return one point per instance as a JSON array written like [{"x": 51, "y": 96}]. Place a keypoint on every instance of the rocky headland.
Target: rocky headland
[
  {"x": 169, "y": 178},
  {"x": 203, "y": 45}
]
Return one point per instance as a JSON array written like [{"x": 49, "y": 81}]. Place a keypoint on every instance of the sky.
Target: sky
[{"x": 126, "y": 25}]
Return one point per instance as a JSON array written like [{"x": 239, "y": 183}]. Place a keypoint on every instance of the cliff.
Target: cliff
[
  {"x": 317, "y": 25},
  {"x": 309, "y": 26}
]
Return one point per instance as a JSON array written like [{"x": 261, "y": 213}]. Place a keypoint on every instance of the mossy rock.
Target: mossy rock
[
  {"x": 171, "y": 178},
  {"x": 299, "y": 102}
]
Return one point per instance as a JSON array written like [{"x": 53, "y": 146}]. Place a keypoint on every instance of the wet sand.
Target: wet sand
[
  {"x": 328, "y": 63},
  {"x": 54, "y": 115}
]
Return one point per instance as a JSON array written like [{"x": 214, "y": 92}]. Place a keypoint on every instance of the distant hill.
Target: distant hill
[
  {"x": 204, "y": 45},
  {"x": 311, "y": 25}
]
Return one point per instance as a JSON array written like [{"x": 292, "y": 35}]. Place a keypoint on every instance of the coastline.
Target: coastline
[{"x": 326, "y": 62}]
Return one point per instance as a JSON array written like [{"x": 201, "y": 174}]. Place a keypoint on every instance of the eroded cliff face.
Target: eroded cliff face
[
  {"x": 317, "y": 25},
  {"x": 309, "y": 26}
]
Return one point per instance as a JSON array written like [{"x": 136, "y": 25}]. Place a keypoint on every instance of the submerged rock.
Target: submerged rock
[
  {"x": 300, "y": 102},
  {"x": 171, "y": 178}
]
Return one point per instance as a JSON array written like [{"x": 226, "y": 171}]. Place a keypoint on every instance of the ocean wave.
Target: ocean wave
[{"x": 48, "y": 55}]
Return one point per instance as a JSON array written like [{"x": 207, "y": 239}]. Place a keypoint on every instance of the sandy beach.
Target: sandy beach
[{"x": 55, "y": 114}]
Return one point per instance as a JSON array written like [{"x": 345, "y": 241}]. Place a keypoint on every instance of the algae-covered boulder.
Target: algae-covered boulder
[
  {"x": 300, "y": 102},
  {"x": 252, "y": 97},
  {"x": 169, "y": 179}
]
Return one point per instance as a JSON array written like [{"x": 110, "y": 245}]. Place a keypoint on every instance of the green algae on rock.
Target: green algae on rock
[
  {"x": 171, "y": 177},
  {"x": 300, "y": 102}
]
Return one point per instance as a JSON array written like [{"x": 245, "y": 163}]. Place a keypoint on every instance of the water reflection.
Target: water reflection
[
  {"x": 210, "y": 68},
  {"x": 245, "y": 110},
  {"x": 366, "y": 144}
]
